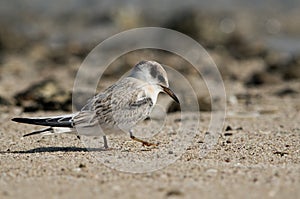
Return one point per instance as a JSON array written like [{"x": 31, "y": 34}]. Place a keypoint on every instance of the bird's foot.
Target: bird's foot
[{"x": 145, "y": 143}]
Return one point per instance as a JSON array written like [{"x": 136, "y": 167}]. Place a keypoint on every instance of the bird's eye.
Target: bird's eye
[{"x": 161, "y": 78}]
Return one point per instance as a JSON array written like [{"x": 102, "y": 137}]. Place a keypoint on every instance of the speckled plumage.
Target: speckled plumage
[{"x": 120, "y": 106}]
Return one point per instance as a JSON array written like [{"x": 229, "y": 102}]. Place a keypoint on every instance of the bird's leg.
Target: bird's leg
[
  {"x": 105, "y": 142},
  {"x": 145, "y": 143},
  {"x": 105, "y": 145}
]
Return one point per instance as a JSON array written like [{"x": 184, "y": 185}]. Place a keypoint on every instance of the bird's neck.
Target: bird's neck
[{"x": 152, "y": 91}]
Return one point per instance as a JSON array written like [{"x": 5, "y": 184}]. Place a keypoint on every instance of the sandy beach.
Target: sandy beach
[{"x": 255, "y": 155}]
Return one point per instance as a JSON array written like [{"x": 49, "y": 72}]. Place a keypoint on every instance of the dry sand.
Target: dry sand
[{"x": 259, "y": 158}]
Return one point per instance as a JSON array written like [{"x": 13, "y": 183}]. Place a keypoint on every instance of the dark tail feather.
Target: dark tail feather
[
  {"x": 50, "y": 129},
  {"x": 51, "y": 121}
]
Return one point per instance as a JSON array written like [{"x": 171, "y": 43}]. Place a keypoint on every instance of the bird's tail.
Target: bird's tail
[
  {"x": 57, "y": 124},
  {"x": 57, "y": 121}
]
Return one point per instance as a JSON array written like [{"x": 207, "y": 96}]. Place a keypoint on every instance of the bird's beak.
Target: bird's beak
[{"x": 170, "y": 93}]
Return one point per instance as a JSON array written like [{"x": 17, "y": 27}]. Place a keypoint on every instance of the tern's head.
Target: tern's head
[{"x": 153, "y": 73}]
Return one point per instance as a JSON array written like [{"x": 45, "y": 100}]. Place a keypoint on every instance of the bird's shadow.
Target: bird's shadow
[{"x": 55, "y": 149}]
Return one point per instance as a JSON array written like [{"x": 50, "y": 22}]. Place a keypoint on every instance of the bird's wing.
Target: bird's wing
[{"x": 121, "y": 105}]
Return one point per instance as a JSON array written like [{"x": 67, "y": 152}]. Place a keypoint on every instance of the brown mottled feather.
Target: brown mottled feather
[{"x": 121, "y": 105}]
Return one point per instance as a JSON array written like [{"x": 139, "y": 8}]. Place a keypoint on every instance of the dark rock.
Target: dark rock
[
  {"x": 260, "y": 78},
  {"x": 45, "y": 95},
  {"x": 287, "y": 67},
  {"x": 4, "y": 101},
  {"x": 255, "y": 79},
  {"x": 285, "y": 91}
]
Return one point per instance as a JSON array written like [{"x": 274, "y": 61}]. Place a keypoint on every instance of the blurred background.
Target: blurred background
[{"x": 255, "y": 44}]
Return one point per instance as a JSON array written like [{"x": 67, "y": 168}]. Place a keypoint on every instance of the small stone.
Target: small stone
[
  {"x": 280, "y": 153},
  {"x": 174, "y": 193},
  {"x": 228, "y": 128},
  {"x": 81, "y": 165}
]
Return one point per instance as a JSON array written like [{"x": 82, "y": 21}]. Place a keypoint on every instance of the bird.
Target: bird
[{"x": 119, "y": 107}]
